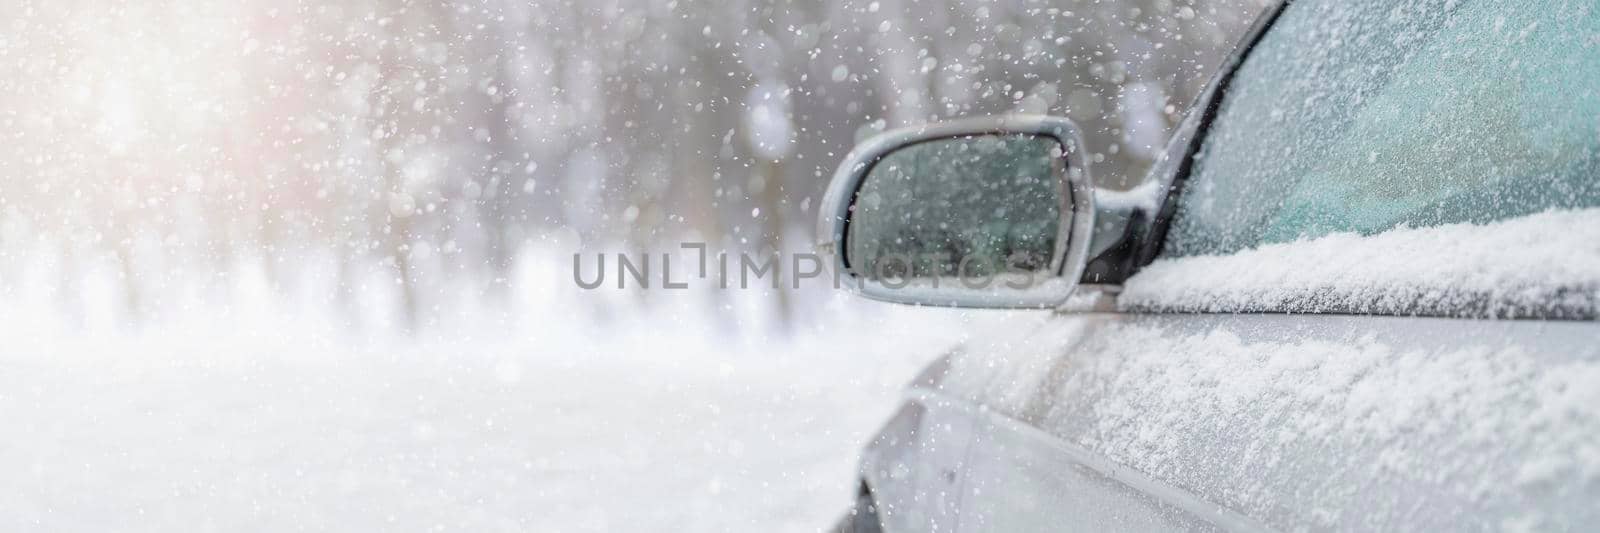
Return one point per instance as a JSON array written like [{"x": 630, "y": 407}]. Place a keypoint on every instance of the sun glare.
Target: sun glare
[{"x": 134, "y": 83}]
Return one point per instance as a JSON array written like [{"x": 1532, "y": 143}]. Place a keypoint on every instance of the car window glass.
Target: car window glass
[{"x": 1364, "y": 116}]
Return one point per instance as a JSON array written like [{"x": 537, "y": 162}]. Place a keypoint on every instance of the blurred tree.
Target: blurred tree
[{"x": 434, "y": 141}]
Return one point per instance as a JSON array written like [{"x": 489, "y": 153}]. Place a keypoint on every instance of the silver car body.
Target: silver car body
[
  {"x": 1249, "y": 422},
  {"x": 1102, "y": 420}
]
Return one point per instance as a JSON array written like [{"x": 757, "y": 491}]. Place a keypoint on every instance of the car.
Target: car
[{"x": 1358, "y": 291}]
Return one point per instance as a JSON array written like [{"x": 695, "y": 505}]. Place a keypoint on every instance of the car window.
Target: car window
[{"x": 1365, "y": 116}]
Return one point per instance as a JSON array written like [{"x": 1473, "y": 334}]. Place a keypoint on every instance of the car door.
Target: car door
[{"x": 1371, "y": 304}]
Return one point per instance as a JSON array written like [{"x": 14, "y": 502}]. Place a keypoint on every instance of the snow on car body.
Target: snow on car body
[{"x": 1358, "y": 291}]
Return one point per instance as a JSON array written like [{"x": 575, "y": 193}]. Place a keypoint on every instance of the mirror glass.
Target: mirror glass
[{"x": 977, "y": 209}]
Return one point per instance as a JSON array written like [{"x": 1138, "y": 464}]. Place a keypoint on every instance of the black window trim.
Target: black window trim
[
  {"x": 1127, "y": 241},
  {"x": 1151, "y": 243}
]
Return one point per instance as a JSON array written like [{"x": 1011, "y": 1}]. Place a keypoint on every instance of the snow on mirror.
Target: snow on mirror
[
  {"x": 981, "y": 212},
  {"x": 977, "y": 214}
]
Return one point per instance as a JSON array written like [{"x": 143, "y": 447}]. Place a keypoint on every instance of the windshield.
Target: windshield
[{"x": 1366, "y": 116}]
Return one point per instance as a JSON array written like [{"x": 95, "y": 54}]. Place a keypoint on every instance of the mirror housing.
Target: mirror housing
[{"x": 1007, "y": 187}]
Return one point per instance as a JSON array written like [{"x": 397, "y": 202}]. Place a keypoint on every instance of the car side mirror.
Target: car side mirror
[{"x": 986, "y": 212}]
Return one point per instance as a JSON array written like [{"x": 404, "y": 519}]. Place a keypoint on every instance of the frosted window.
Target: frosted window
[{"x": 1363, "y": 116}]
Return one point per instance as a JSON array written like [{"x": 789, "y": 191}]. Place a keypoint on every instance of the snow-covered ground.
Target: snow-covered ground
[{"x": 547, "y": 413}]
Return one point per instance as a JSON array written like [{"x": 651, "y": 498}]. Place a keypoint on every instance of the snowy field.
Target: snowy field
[{"x": 242, "y": 410}]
